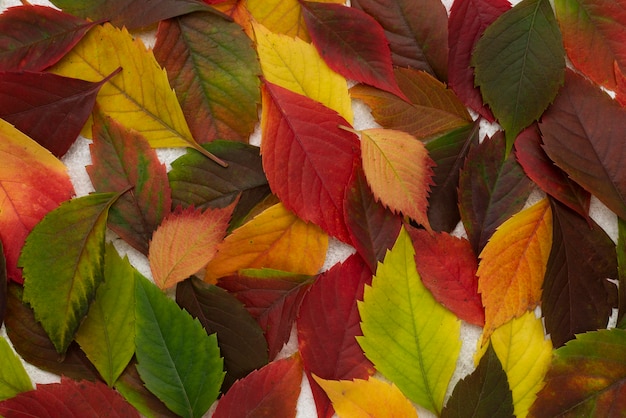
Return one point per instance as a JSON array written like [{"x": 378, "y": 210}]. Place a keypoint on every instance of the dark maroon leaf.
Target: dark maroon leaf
[
  {"x": 448, "y": 152},
  {"x": 492, "y": 188},
  {"x": 551, "y": 179},
  {"x": 621, "y": 272},
  {"x": 239, "y": 337},
  {"x": 49, "y": 108},
  {"x": 576, "y": 294}
]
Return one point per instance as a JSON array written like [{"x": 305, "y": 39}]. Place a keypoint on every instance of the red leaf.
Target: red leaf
[
  {"x": 49, "y": 108},
  {"x": 35, "y": 37},
  {"x": 546, "y": 175},
  {"x": 270, "y": 391},
  {"x": 307, "y": 158},
  {"x": 468, "y": 20},
  {"x": 327, "y": 342},
  {"x": 447, "y": 266},
  {"x": 68, "y": 399},
  {"x": 352, "y": 43}
]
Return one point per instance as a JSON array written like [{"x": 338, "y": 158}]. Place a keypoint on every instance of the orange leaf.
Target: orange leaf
[
  {"x": 513, "y": 264},
  {"x": 185, "y": 242},
  {"x": 276, "y": 239},
  {"x": 398, "y": 169}
]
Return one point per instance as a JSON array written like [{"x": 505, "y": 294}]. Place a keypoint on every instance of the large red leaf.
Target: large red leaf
[
  {"x": 468, "y": 20},
  {"x": 68, "y": 399},
  {"x": 3, "y": 284},
  {"x": 417, "y": 31},
  {"x": 352, "y": 43},
  {"x": 308, "y": 160},
  {"x": 270, "y": 391},
  {"x": 583, "y": 134},
  {"x": 35, "y": 37},
  {"x": 447, "y": 266},
  {"x": 328, "y": 342},
  {"x": 49, "y": 108}
]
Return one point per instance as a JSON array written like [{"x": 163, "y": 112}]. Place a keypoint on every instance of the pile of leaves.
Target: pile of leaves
[{"x": 239, "y": 233}]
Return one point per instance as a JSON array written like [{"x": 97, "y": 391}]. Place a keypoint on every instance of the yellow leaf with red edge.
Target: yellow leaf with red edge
[
  {"x": 297, "y": 66},
  {"x": 513, "y": 265},
  {"x": 367, "y": 398},
  {"x": 398, "y": 169},
  {"x": 32, "y": 183},
  {"x": 275, "y": 239}
]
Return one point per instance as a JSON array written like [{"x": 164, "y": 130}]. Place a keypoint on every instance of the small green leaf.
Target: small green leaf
[
  {"x": 13, "y": 376},
  {"x": 411, "y": 339},
  {"x": 63, "y": 261},
  {"x": 177, "y": 360},
  {"x": 520, "y": 65},
  {"x": 107, "y": 335}
]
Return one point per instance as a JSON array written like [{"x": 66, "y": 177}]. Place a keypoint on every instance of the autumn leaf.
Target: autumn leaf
[
  {"x": 352, "y": 43},
  {"x": 581, "y": 135},
  {"x": 360, "y": 398},
  {"x": 411, "y": 339},
  {"x": 32, "y": 183},
  {"x": 3, "y": 284},
  {"x": 621, "y": 273},
  {"x": 139, "y": 97},
  {"x": 132, "y": 388},
  {"x": 123, "y": 160},
  {"x": 308, "y": 160},
  {"x": 513, "y": 264},
  {"x": 185, "y": 242},
  {"x": 13, "y": 376},
  {"x": 217, "y": 81},
  {"x": 519, "y": 64},
  {"x": 296, "y": 65},
  {"x": 68, "y": 244},
  {"x": 416, "y": 31},
  {"x": 33, "y": 37}
]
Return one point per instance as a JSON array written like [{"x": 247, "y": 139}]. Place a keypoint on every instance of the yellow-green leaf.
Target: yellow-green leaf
[
  {"x": 296, "y": 65},
  {"x": 13, "y": 376},
  {"x": 411, "y": 338}
]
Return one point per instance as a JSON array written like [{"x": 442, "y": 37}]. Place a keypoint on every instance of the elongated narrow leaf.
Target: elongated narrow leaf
[
  {"x": 214, "y": 70},
  {"x": 520, "y": 65},
  {"x": 68, "y": 244},
  {"x": 13, "y": 377},
  {"x": 107, "y": 335},
  {"x": 122, "y": 160},
  {"x": 28, "y": 174},
  {"x": 239, "y": 337},
  {"x": 274, "y": 239},
  {"x": 581, "y": 135},
  {"x": 33, "y": 38},
  {"x": 132, "y": 388},
  {"x": 308, "y": 160},
  {"x": 296, "y": 65},
  {"x": 140, "y": 97},
  {"x": 576, "y": 294},
  {"x": 411, "y": 339},
  {"x": 352, "y": 43},
  {"x": 186, "y": 377},
  {"x": 416, "y": 31},
  {"x": 513, "y": 264}
]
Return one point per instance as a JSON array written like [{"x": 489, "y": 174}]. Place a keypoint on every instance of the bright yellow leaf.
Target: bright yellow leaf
[
  {"x": 140, "y": 96},
  {"x": 296, "y": 65},
  {"x": 275, "y": 239},
  {"x": 398, "y": 170},
  {"x": 513, "y": 264},
  {"x": 367, "y": 398}
]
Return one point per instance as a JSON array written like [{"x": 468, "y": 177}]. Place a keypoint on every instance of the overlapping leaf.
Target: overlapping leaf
[
  {"x": 132, "y": 388},
  {"x": 13, "y": 377},
  {"x": 32, "y": 183},
  {"x": 520, "y": 63},
  {"x": 3, "y": 284},
  {"x": 621, "y": 273},
  {"x": 279, "y": 16},
  {"x": 68, "y": 244},
  {"x": 214, "y": 70}
]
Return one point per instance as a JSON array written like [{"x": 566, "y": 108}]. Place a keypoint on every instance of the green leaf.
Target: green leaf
[
  {"x": 107, "y": 335},
  {"x": 176, "y": 358},
  {"x": 132, "y": 388},
  {"x": 13, "y": 376},
  {"x": 520, "y": 65},
  {"x": 484, "y": 393},
  {"x": 411, "y": 338},
  {"x": 587, "y": 378},
  {"x": 67, "y": 246}
]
